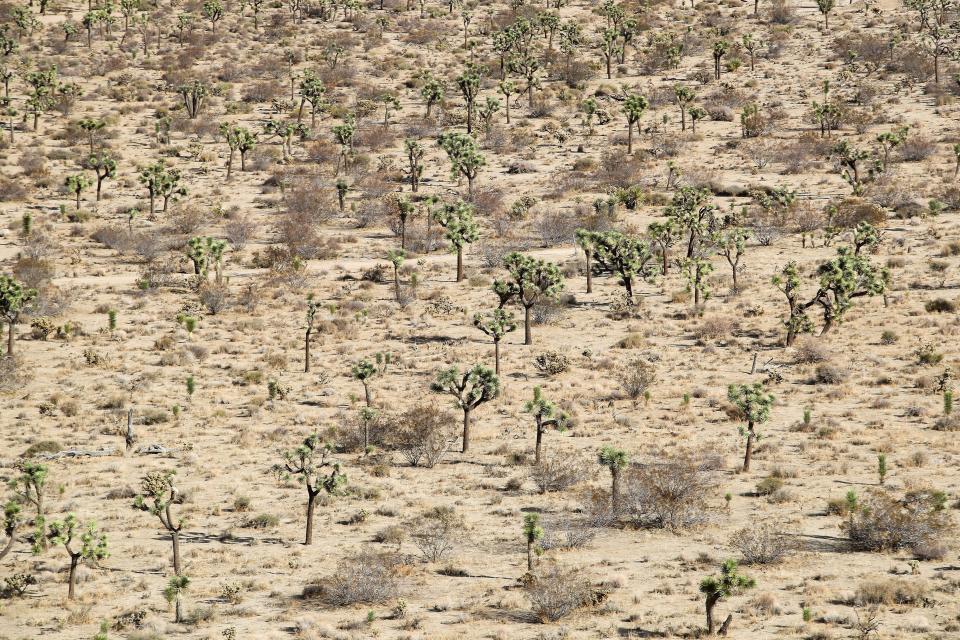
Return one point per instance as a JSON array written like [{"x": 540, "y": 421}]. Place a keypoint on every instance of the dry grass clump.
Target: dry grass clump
[
  {"x": 363, "y": 578},
  {"x": 671, "y": 494}
]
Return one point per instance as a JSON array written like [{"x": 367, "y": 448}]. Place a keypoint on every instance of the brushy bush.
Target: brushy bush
[
  {"x": 559, "y": 472},
  {"x": 762, "y": 544},
  {"x": 555, "y": 592},
  {"x": 636, "y": 377},
  {"x": 363, "y": 578},
  {"x": 551, "y": 363},
  {"x": 566, "y": 533},
  {"x": 891, "y": 592},
  {"x": 886, "y": 523},
  {"x": 940, "y": 305},
  {"x": 810, "y": 351},
  {"x": 423, "y": 434},
  {"x": 828, "y": 373},
  {"x": 436, "y": 532},
  {"x": 670, "y": 494}
]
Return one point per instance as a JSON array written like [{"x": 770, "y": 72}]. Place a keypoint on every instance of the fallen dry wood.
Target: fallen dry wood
[{"x": 77, "y": 453}]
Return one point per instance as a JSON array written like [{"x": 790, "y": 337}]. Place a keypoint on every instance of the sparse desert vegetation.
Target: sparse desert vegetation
[{"x": 436, "y": 319}]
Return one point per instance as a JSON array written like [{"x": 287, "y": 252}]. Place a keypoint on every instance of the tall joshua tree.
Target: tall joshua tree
[
  {"x": 754, "y": 404},
  {"x": 532, "y": 534},
  {"x": 104, "y": 165},
  {"x": 461, "y": 228},
  {"x": 312, "y": 307},
  {"x": 585, "y": 240},
  {"x": 626, "y": 256},
  {"x": 313, "y": 464},
  {"x": 469, "y": 84},
  {"x": 365, "y": 371},
  {"x": 545, "y": 414},
  {"x": 788, "y": 282},
  {"x": 415, "y": 153},
  {"x": 720, "y": 49},
  {"x": 158, "y": 495},
  {"x": 716, "y": 588},
  {"x": 616, "y": 461},
  {"x": 14, "y": 299},
  {"x": 685, "y": 97},
  {"x": 496, "y": 324},
  {"x": 93, "y": 546},
  {"x": 470, "y": 389},
  {"x": 465, "y": 157},
  {"x": 532, "y": 281},
  {"x": 634, "y": 107}
]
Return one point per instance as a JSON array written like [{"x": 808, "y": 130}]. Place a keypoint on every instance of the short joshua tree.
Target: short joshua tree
[
  {"x": 158, "y": 495},
  {"x": 365, "y": 371},
  {"x": 616, "y": 461},
  {"x": 312, "y": 307},
  {"x": 715, "y": 588},
  {"x": 313, "y": 465},
  {"x": 496, "y": 324},
  {"x": 532, "y": 282},
  {"x": 754, "y": 404},
  {"x": 461, "y": 228},
  {"x": 173, "y": 593},
  {"x": 92, "y": 545},
  {"x": 470, "y": 389},
  {"x": 532, "y": 534},
  {"x": 546, "y": 415}
]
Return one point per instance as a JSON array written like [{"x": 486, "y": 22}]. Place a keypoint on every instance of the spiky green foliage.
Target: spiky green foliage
[
  {"x": 432, "y": 92},
  {"x": 532, "y": 281},
  {"x": 788, "y": 282},
  {"x": 313, "y": 92},
  {"x": 633, "y": 108},
  {"x": 623, "y": 255},
  {"x": 14, "y": 300},
  {"x": 415, "y": 153},
  {"x": 238, "y": 139},
  {"x": 693, "y": 217},
  {"x": 469, "y": 84},
  {"x": 465, "y": 157},
  {"x": 93, "y": 545},
  {"x": 161, "y": 182},
  {"x": 470, "y": 389},
  {"x": 76, "y": 184},
  {"x": 496, "y": 324},
  {"x": 460, "y": 228},
  {"x": 103, "y": 165},
  {"x": 313, "y": 465},
  {"x": 842, "y": 280},
  {"x": 532, "y": 533},
  {"x": 727, "y": 584},
  {"x": 365, "y": 371},
  {"x": 9, "y": 524},
  {"x": 29, "y": 483},
  {"x": 173, "y": 593},
  {"x": 732, "y": 245},
  {"x": 615, "y": 460},
  {"x": 545, "y": 415},
  {"x": 696, "y": 270}
]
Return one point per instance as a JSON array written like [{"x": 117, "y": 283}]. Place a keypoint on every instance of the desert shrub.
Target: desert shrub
[
  {"x": 436, "y": 532},
  {"x": 715, "y": 328},
  {"x": 43, "y": 446},
  {"x": 671, "y": 494},
  {"x": 762, "y": 544},
  {"x": 636, "y": 377},
  {"x": 566, "y": 533},
  {"x": 887, "y": 523},
  {"x": 852, "y": 211},
  {"x": 423, "y": 434},
  {"x": 891, "y": 592},
  {"x": 363, "y": 578},
  {"x": 916, "y": 148},
  {"x": 215, "y": 297},
  {"x": 810, "y": 351},
  {"x": 889, "y": 337},
  {"x": 769, "y": 486},
  {"x": 262, "y": 521},
  {"x": 239, "y": 231},
  {"x": 555, "y": 592},
  {"x": 940, "y": 305},
  {"x": 557, "y": 473},
  {"x": 829, "y": 373},
  {"x": 551, "y": 363}
]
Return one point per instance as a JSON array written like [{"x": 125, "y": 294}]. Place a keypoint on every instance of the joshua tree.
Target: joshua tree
[
  {"x": 238, "y": 139},
  {"x": 696, "y": 270},
  {"x": 365, "y": 371},
  {"x": 624, "y": 255},
  {"x": 507, "y": 88},
  {"x": 93, "y": 545},
  {"x": 91, "y": 126},
  {"x": 465, "y": 157},
  {"x": 157, "y": 496},
  {"x": 76, "y": 184},
  {"x": 432, "y": 92},
  {"x": 716, "y": 588},
  {"x": 312, "y": 91},
  {"x": 173, "y": 593},
  {"x": 889, "y": 140},
  {"x": 461, "y": 228},
  {"x": 584, "y": 239},
  {"x": 692, "y": 216},
  {"x": 470, "y": 389},
  {"x": 532, "y": 281},
  {"x": 212, "y": 10},
  {"x": 849, "y": 159},
  {"x": 825, "y": 7},
  {"x": 11, "y": 521},
  {"x": 28, "y": 486},
  {"x": 313, "y": 464},
  {"x": 634, "y": 107},
  {"x": 193, "y": 94},
  {"x": 344, "y": 134},
  {"x": 616, "y": 461},
  {"x": 342, "y": 187},
  {"x": 532, "y": 533},
  {"x": 469, "y": 84},
  {"x": 664, "y": 235},
  {"x": 754, "y": 404},
  {"x": 312, "y": 307},
  {"x": 732, "y": 244},
  {"x": 685, "y": 96},
  {"x": 103, "y": 165},
  {"x": 720, "y": 49},
  {"x": 528, "y": 67},
  {"x": 14, "y": 299},
  {"x": 404, "y": 209},
  {"x": 496, "y": 324},
  {"x": 396, "y": 258},
  {"x": 696, "y": 113},
  {"x": 843, "y": 279},
  {"x": 163, "y": 182},
  {"x": 751, "y": 45},
  {"x": 546, "y": 415},
  {"x": 788, "y": 282},
  {"x": 415, "y": 153},
  {"x": 609, "y": 45}
]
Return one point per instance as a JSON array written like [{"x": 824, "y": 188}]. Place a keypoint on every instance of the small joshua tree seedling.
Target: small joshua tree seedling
[
  {"x": 532, "y": 533},
  {"x": 754, "y": 404},
  {"x": 158, "y": 495},
  {"x": 470, "y": 389},
  {"x": 882, "y": 467},
  {"x": 616, "y": 461},
  {"x": 545, "y": 414},
  {"x": 365, "y": 371},
  {"x": 93, "y": 546},
  {"x": 853, "y": 505},
  {"x": 173, "y": 593},
  {"x": 112, "y": 320},
  {"x": 947, "y": 403},
  {"x": 313, "y": 464},
  {"x": 191, "y": 387},
  {"x": 496, "y": 324},
  {"x": 715, "y": 588}
]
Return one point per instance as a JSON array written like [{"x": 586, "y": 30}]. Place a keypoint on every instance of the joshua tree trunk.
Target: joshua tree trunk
[
  {"x": 710, "y": 604},
  {"x": 466, "y": 430},
  {"x": 72, "y": 578},
  {"x": 529, "y": 556},
  {"x": 178, "y": 610},
  {"x": 749, "y": 450},
  {"x": 536, "y": 456},
  {"x": 496, "y": 356},
  {"x": 8, "y": 546},
  {"x": 175, "y": 540},
  {"x": 366, "y": 393},
  {"x": 459, "y": 264},
  {"x": 311, "y": 506},
  {"x": 230, "y": 164},
  {"x": 10, "y": 338},
  {"x": 615, "y": 489},
  {"x": 527, "y": 336},
  {"x": 306, "y": 352},
  {"x": 396, "y": 283},
  {"x": 630, "y": 138},
  {"x": 589, "y": 271}
]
